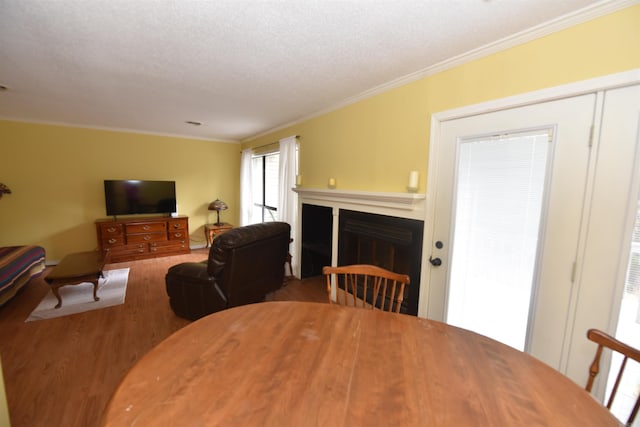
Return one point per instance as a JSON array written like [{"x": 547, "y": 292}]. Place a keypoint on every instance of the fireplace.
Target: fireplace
[
  {"x": 339, "y": 227},
  {"x": 389, "y": 242}
]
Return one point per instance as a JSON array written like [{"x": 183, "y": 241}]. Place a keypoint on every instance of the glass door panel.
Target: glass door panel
[{"x": 498, "y": 201}]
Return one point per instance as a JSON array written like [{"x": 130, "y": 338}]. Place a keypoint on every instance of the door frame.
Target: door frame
[{"x": 594, "y": 85}]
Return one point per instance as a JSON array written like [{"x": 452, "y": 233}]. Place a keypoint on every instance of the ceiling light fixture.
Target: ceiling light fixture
[
  {"x": 189, "y": 122},
  {"x": 3, "y": 88}
]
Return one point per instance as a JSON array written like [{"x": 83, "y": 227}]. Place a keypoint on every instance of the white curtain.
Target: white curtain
[
  {"x": 288, "y": 199},
  {"x": 246, "y": 193}
]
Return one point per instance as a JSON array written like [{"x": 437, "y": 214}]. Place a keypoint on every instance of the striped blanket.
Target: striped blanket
[{"x": 18, "y": 264}]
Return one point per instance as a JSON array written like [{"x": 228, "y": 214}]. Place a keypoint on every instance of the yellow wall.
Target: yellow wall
[
  {"x": 56, "y": 176},
  {"x": 373, "y": 144}
]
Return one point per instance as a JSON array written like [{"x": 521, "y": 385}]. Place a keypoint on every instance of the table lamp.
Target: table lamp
[{"x": 218, "y": 205}]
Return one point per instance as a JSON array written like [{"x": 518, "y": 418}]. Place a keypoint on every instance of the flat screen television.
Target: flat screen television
[{"x": 131, "y": 197}]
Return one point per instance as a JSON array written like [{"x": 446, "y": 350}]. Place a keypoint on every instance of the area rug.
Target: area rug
[{"x": 79, "y": 298}]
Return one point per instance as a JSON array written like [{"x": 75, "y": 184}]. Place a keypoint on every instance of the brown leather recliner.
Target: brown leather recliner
[{"x": 244, "y": 264}]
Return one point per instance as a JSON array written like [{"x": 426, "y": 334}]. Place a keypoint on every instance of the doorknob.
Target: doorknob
[{"x": 435, "y": 261}]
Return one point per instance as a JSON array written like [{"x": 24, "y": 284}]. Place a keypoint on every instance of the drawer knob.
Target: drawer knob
[
  {"x": 176, "y": 225},
  {"x": 178, "y": 234},
  {"x": 146, "y": 227},
  {"x": 111, "y": 229},
  {"x": 147, "y": 237},
  {"x": 112, "y": 241}
]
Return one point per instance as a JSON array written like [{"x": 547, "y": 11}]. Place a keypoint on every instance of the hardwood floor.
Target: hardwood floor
[{"x": 62, "y": 372}]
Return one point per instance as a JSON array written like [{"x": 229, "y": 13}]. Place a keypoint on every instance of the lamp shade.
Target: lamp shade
[{"x": 218, "y": 205}]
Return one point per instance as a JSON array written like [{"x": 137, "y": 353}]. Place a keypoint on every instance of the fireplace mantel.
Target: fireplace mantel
[{"x": 413, "y": 202}]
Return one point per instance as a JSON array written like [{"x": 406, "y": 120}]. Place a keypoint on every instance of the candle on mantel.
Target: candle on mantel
[
  {"x": 413, "y": 181},
  {"x": 332, "y": 183}
]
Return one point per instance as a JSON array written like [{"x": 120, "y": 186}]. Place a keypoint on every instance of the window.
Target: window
[
  {"x": 263, "y": 202},
  {"x": 265, "y": 185}
]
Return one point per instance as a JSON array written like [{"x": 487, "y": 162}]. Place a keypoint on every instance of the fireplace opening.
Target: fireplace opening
[
  {"x": 389, "y": 242},
  {"x": 317, "y": 237}
]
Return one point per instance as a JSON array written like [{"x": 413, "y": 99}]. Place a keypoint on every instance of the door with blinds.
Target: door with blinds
[
  {"x": 510, "y": 188},
  {"x": 514, "y": 218},
  {"x": 608, "y": 267}
]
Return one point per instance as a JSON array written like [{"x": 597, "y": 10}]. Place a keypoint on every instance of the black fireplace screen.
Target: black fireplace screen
[{"x": 389, "y": 242}]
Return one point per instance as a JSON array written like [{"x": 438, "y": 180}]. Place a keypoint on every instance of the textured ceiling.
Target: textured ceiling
[{"x": 241, "y": 67}]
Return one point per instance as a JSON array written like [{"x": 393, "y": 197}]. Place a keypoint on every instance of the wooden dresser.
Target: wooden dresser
[{"x": 138, "y": 238}]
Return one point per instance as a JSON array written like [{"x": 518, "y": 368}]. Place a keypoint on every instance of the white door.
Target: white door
[
  {"x": 587, "y": 222},
  {"x": 566, "y": 125},
  {"x": 607, "y": 270}
]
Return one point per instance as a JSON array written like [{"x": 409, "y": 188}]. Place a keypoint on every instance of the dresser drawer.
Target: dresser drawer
[
  {"x": 110, "y": 230},
  {"x": 178, "y": 235},
  {"x": 177, "y": 224},
  {"x": 146, "y": 237},
  {"x": 150, "y": 227},
  {"x": 170, "y": 246},
  {"x": 125, "y": 251},
  {"x": 135, "y": 248},
  {"x": 112, "y": 241}
]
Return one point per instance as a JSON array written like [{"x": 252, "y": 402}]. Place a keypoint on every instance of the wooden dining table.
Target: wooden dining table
[{"x": 313, "y": 364}]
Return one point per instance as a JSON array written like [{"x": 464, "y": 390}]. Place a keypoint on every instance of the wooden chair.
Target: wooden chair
[
  {"x": 605, "y": 340},
  {"x": 380, "y": 289}
]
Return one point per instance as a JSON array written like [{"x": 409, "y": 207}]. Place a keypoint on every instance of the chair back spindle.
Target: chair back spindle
[
  {"x": 605, "y": 340},
  {"x": 367, "y": 286}
]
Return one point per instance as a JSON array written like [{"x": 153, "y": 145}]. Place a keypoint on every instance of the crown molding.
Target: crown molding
[
  {"x": 114, "y": 129},
  {"x": 588, "y": 13}
]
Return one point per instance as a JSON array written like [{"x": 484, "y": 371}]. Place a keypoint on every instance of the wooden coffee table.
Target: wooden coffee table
[{"x": 78, "y": 268}]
